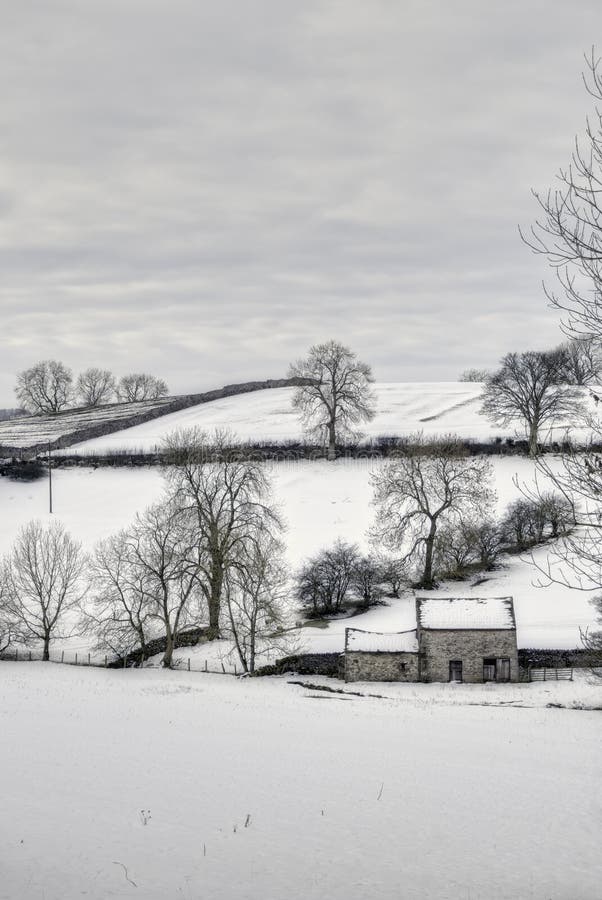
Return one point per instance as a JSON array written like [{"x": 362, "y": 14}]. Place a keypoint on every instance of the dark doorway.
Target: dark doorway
[
  {"x": 489, "y": 670},
  {"x": 455, "y": 670}
]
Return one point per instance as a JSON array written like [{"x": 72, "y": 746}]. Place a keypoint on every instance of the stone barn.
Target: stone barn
[
  {"x": 467, "y": 639},
  {"x": 375, "y": 656}
]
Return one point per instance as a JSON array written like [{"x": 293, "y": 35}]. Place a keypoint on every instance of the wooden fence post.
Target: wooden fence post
[
  {"x": 16, "y": 655},
  {"x": 205, "y": 665},
  {"x": 62, "y": 656},
  {"x": 189, "y": 664},
  {"x": 105, "y": 660},
  {"x": 223, "y": 669}
]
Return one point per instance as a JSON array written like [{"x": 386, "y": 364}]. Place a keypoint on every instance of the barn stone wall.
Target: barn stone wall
[
  {"x": 381, "y": 666},
  {"x": 438, "y": 647}
]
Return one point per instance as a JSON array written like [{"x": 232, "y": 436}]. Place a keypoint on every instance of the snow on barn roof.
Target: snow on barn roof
[
  {"x": 381, "y": 642},
  {"x": 465, "y": 612}
]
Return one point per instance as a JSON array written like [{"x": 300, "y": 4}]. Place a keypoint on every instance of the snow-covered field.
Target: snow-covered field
[
  {"x": 28, "y": 431},
  {"x": 164, "y": 785},
  {"x": 320, "y": 502},
  {"x": 430, "y": 407}
]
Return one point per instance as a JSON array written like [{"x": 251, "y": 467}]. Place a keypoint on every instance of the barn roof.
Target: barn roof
[
  {"x": 465, "y": 613},
  {"x": 381, "y": 642}
]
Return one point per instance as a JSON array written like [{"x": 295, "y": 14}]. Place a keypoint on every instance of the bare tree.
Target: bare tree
[
  {"x": 557, "y": 512},
  {"x": 145, "y": 582},
  {"x": 96, "y": 387},
  {"x": 581, "y": 361},
  {"x": 323, "y": 582},
  {"x": 367, "y": 580},
  {"x": 119, "y": 611},
  {"x": 527, "y": 389},
  {"x": 312, "y": 588},
  {"x": 569, "y": 234},
  {"x": 575, "y": 558},
  {"x": 466, "y": 545},
  {"x": 592, "y": 639},
  {"x": 141, "y": 386},
  {"x": 475, "y": 375},
  {"x": 424, "y": 489},
  {"x": 522, "y": 524},
  {"x": 488, "y": 540},
  {"x": 45, "y": 388},
  {"x": 569, "y": 230},
  {"x": 454, "y": 550},
  {"x": 7, "y": 625},
  {"x": 337, "y": 395},
  {"x": 574, "y": 512},
  {"x": 44, "y": 582},
  {"x": 256, "y": 601},
  {"x": 229, "y": 500},
  {"x": 6, "y": 633},
  {"x": 164, "y": 548},
  {"x": 395, "y": 573}
]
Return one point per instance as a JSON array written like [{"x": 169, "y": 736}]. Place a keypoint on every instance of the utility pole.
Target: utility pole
[{"x": 49, "y": 480}]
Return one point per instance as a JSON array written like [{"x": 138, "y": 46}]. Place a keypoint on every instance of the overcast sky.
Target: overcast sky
[{"x": 204, "y": 189}]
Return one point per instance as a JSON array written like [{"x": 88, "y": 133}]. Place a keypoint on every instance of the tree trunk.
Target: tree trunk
[
  {"x": 46, "y": 650},
  {"x": 251, "y": 667},
  {"x": 427, "y": 574},
  {"x": 214, "y": 603},
  {"x": 331, "y": 441},
  {"x": 169, "y": 648},
  {"x": 533, "y": 439}
]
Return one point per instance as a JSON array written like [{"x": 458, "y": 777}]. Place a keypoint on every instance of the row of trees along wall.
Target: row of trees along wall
[{"x": 49, "y": 387}]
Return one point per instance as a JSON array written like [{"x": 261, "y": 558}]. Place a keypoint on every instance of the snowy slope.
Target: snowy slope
[
  {"x": 169, "y": 786},
  {"x": 29, "y": 431},
  {"x": 320, "y": 501},
  {"x": 430, "y": 407}
]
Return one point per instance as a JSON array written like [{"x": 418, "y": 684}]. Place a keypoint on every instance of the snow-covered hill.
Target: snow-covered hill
[
  {"x": 430, "y": 407},
  {"x": 31, "y": 431}
]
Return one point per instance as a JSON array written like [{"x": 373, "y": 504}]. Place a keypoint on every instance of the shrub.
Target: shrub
[{"x": 24, "y": 470}]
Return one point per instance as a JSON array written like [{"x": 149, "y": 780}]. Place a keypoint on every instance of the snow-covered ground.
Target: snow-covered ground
[
  {"x": 430, "y": 407},
  {"x": 320, "y": 501},
  {"x": 164, "y": 785}
]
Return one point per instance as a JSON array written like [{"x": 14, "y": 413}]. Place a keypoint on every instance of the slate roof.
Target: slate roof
[
  {"x": 465, "y": 613},
  {"x": 381, "y": 642}
]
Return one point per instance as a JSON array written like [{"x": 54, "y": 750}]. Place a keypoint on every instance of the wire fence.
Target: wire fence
[{"x": 100, "y": 660}]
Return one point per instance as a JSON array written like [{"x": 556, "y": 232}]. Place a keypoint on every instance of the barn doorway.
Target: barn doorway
[{"x": 455, "y": 670}]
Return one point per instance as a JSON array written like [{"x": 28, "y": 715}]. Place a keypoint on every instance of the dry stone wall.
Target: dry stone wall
[
  {"x": 381, "y": 666},
  {"x": 85, "y": 424}
]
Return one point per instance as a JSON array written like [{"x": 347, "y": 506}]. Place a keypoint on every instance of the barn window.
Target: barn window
[{"x": 402, "y": 667}]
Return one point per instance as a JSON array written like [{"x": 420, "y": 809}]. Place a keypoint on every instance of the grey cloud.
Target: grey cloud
[{"x": 206, "y": 189}]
